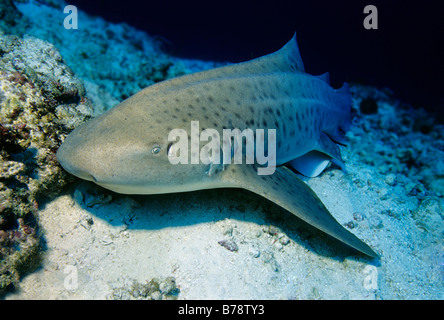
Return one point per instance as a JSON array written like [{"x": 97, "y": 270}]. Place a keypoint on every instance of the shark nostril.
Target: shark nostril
[
  {"x": 85, "y": 175},
  {"x": 90, "y": 177}
]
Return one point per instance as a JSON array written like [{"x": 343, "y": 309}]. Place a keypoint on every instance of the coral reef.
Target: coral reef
[
  {"x": 41, "y": 101},
  {"x": 407, "y": 143}
]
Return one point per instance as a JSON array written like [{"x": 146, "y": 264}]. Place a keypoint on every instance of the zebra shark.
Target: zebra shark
[{"x": 128, "y": 149}]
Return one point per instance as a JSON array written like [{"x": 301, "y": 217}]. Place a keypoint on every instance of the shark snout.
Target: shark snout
[{"x": 75, "y": 161}]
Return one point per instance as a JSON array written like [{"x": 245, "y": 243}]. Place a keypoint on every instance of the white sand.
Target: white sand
[{"x": 139, "y": 238}]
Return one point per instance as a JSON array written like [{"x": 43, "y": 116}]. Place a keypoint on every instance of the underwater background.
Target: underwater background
[
  {"x": 404, "y": 53},
  {"x": 62, "y": 238}
]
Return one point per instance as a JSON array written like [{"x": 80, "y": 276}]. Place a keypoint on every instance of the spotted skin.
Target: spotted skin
[{"x": 126, "y": 149}]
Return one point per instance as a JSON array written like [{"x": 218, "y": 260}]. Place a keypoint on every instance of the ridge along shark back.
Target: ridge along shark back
[{"x": 128, "y": 148}]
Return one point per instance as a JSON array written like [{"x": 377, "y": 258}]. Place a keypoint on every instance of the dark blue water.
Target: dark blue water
[{"x": 404, "y": 53}]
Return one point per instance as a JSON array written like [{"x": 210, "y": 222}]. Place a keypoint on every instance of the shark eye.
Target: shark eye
[{"x": 155, "y": 150}]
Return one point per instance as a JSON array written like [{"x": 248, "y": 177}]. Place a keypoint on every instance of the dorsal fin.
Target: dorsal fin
[{"x": 286, "y": 59}]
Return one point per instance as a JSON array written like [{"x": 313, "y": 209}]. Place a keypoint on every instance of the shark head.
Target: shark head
[{"x": 124, "y": 158}]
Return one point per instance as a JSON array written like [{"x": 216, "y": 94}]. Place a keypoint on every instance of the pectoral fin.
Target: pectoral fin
[
  {"x": 311, "y": 164},
  {"x": 288, "y": 191}
]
